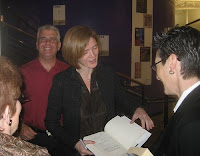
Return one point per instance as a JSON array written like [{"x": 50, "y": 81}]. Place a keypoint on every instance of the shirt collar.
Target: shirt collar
[
  {"x": 185, "y": 93},
  {"x": 55, "y": 67}
]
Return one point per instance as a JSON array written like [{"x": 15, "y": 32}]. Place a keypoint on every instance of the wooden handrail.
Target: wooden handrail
[
  {"x": 137, "y": 82},
  {"x": 132, "y": 80},
  {"x": 193, "y": 22},
  {"x": 13, "y": 27}
]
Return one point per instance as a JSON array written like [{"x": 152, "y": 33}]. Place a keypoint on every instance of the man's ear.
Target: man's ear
[
  {"x": 6, "y": 116},
  {"x": 59, "y": 46},
  {"x": 36, "y": 44}
]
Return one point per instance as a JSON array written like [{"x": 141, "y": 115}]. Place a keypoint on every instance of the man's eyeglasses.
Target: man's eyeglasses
[
  {"x": 44, "y": 39},
  {"x": 153, "y": 67}
]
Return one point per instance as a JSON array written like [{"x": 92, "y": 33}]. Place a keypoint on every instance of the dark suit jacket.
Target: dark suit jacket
[
  {"x": 182, "y": 135},
  {"x": 65, "y": 96}
]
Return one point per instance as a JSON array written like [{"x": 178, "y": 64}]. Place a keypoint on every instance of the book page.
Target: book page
[
  {"x": 105, "y": 145},
  {"x": 140, "y": 151},
  {"x": 125, "y": 133}
]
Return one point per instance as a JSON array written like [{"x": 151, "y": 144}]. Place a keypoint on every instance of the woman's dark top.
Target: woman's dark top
[
  {"x": 65, "y": 98},
  {"x": 93, "y": 110}
]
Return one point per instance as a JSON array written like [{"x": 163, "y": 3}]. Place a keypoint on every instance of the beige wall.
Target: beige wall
[{"x": 183, "y": 17}]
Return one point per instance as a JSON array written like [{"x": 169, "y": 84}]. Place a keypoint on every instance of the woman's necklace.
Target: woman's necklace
[
  {"x": 88, "y": 80},
  {"x": 84, "y": 77}
]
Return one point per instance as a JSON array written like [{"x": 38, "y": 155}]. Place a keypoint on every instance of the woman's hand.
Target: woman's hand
[
  {"x": 141, "y": 114},
  {"x": 26, "y": 132},
  {"x": 81, "y": 149}
]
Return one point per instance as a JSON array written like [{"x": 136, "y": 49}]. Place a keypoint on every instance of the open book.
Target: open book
[
  {"x": 139, "y": 151},
  {"x": 118, "y": 136}
]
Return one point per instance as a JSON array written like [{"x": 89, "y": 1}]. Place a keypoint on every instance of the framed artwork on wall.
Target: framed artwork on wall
[
  {"x": 144, "y": 54},
  {"x": 58, "y": 14},
  {"x": 142, "y": 29},
  {"x": 139, "y": 36},
  {"x": 147, "y": 21},
  {"x": 141, "y": 6}
]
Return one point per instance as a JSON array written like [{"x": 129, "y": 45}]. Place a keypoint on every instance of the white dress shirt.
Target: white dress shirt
[{"x": 185, "y": 93}]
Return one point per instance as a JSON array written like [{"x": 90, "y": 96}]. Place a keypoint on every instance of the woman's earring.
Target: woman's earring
[
  {"x": 171, "y": 72},
  {"x": 10, "y": 122}
]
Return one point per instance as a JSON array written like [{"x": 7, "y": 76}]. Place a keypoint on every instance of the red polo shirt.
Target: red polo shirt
[{"x": 38, "y": 82}]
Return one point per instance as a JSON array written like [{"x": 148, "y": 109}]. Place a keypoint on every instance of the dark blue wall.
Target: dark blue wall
[{"x": 106, "y": 17}]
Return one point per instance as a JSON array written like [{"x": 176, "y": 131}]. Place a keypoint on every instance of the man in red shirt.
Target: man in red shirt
[{"x": 38, "y": 76}]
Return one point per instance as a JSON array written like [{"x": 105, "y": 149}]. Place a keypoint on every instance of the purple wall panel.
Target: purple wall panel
[{"x": 111, "y": 18}]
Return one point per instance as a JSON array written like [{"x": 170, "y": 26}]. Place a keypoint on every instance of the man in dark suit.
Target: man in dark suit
[{"x": 177, "y": 66}]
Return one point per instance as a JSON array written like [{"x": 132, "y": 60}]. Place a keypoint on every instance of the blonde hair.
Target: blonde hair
[
  {"x": 10, "y": 84},
  {"x": 74, "y": 43}
]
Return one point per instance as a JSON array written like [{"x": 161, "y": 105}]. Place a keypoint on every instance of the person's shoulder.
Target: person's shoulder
[
  {"x": 65, "y": 73},
  {"x": 62, "y": 64},
  {"x": 189, "y": 111},
  {"x": 29, "y": 65},
  {"x": 11, "y": 145},
  {"x": 35, "y": 149}
]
